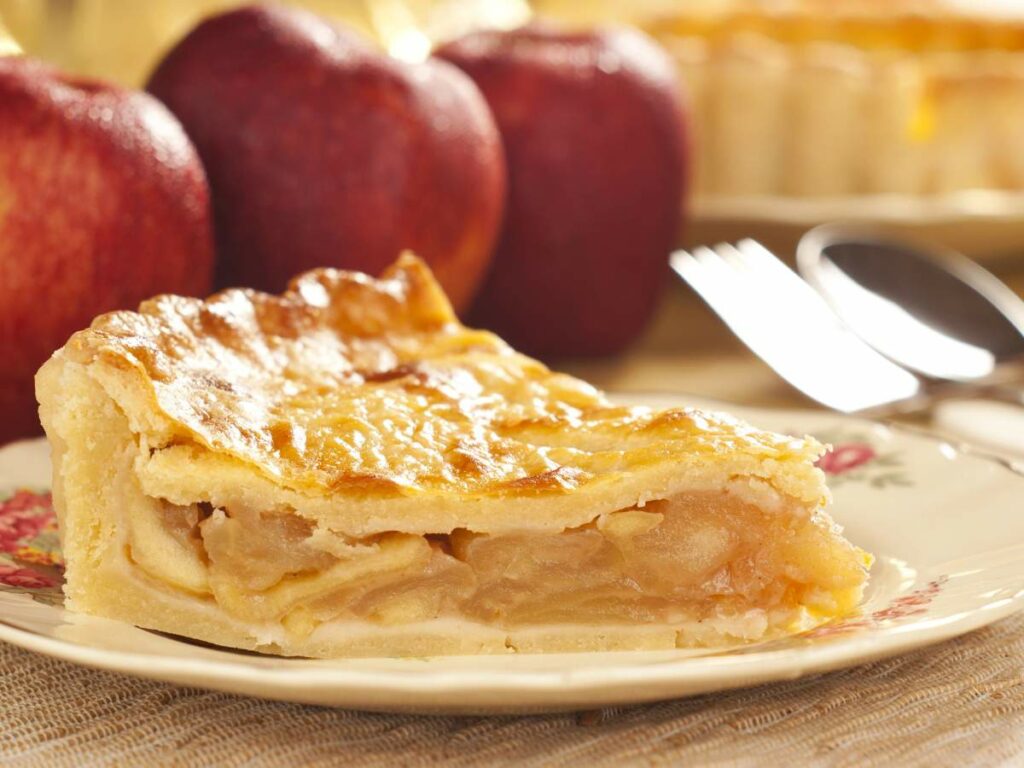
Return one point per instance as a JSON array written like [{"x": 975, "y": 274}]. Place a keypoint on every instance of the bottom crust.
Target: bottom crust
[{"x": 115, "y": 591}]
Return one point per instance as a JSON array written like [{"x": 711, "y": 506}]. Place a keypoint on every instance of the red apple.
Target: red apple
[
  {"x": 595, "y": 147},
  {"x": 322, "y": 151},
  {"x": 103, "y": 203}
]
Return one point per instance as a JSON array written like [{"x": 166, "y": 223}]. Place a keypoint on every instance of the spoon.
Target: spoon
[{"x": 928, "y": 309}]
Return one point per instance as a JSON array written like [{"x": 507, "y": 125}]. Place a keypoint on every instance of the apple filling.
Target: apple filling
[{"x": 689, "y": 558}]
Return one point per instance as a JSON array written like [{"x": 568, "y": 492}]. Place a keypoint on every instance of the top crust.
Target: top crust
[
  {"x": 937, "y": 11},
  {"x": 352, "y": 388}
]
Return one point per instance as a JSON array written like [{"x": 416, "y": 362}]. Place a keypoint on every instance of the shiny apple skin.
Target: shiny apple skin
[
  {"x": 595, "y": 138},
  {"x": 323, "y": 151},
  {"x": 103, "y": 203}
]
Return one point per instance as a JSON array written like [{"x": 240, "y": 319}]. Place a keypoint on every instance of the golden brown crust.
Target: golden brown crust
[
  {"x": 923, "y": 25},
  {"x": 934, "y": 11},
  {"x": 347, "y": 384}
]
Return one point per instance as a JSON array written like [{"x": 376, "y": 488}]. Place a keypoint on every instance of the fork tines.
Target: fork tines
[{"x": 786, "y": 323}]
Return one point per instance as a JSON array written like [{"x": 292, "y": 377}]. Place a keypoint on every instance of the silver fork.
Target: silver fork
[{"x": 789, "y": 326}]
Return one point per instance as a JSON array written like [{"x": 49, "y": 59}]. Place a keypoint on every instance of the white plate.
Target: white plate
[{"x": 947, "y": 528}]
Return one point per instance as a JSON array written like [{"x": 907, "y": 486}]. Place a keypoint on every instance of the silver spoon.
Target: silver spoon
[
  {"x": 930, "y": 310},
  {"x": 935, "y": 312}
]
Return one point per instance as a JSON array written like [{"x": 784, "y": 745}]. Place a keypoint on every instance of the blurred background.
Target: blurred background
[{"x": 905, "y": 114}]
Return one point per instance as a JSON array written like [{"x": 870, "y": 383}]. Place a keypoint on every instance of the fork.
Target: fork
[{"x": 787, "y": 324}]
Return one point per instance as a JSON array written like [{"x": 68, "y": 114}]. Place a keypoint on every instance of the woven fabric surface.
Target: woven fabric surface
[{"x": 959, "y": 703}]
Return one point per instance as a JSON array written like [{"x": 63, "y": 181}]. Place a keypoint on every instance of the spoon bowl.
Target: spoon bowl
[{"x": 928, "y": 309}]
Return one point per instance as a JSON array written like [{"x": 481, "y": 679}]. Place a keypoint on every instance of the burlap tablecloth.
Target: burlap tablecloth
[{"x": 959, "y": 703}]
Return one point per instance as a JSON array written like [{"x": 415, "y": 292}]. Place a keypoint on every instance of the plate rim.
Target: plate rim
[{"x": 293, "y": 680}]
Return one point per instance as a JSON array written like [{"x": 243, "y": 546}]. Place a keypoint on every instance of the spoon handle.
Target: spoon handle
[
  {"x": 1002, "y": 393},
  {"x": 990, "y": 416},
  {"x": 924, "y": 403},
  {"x": 990, "y": 424}
]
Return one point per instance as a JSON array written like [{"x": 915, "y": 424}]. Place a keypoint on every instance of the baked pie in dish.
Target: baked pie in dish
[
  {"x": 347, "y": 470},
  {"x": 826, "y": 98}
]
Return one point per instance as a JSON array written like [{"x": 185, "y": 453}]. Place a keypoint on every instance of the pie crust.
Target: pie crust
[{"x": 346, "y": 469}]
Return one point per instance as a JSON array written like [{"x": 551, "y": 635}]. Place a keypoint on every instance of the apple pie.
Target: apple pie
[
  {"x": 826, "y": 98},
  {"x": 347, "y": 470}
]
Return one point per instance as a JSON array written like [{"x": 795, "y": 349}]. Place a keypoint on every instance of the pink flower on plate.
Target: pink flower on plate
[
  {"x": 13, "y": 576},
  {"x": 843, "y": 458},
  {"x": 23, "y": 516}
]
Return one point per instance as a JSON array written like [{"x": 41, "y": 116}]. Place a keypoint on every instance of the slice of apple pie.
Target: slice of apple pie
[{"x": 347, "y": 470}]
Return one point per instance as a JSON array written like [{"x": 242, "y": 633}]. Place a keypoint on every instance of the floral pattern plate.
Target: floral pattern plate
[{"x": 945, "y": 523}]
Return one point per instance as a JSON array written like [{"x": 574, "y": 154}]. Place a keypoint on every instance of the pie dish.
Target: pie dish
[
  {"x": 346, "y": 470},
  {"x": 841, "y": 98}
]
